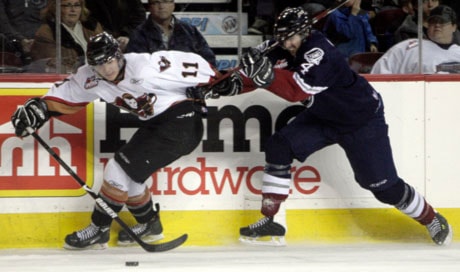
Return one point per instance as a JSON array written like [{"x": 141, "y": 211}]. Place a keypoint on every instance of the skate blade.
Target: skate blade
[
  {"x": 448, "y": 239},
  {"x": 94, "y": 247},
  {"x": 146, "y": 239},
  {"x": 264, "y": 241}
]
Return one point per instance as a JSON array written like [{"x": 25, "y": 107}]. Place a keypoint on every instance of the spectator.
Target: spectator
[
  {"x": 438, "y": 49},
  {"x": 349, "y": 30},
  {"x": 76, "y": 29},
  {"x": 409, "y": 27},
  {"x": 409, "y": 6},
  {"x": 163, "y": 31},
  {"x": 119, "y": 17},
  {"x": 19, "y": 21}
]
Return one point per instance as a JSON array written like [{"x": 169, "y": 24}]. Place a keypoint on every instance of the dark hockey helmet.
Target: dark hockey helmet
[
  {"x": 102, "y": 48},
  {"x": 292, "y": 21}
]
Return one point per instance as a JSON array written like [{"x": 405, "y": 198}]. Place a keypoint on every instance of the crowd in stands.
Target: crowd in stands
[
  {"x": 19, "y": 20},
  {"x": 28, "y": 28},
  {"x": 438, "y": 48}
]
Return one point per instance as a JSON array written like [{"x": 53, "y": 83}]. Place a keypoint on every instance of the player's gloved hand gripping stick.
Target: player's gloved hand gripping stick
[{"x": 103, "y": 205}]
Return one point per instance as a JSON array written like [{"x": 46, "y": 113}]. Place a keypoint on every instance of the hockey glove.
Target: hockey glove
[
  {"x": 34, "y": 113},
  {"x": 197, "y": 94},
  {"x": 257, "y": 67},
  {"x": 228, "y": 87}
]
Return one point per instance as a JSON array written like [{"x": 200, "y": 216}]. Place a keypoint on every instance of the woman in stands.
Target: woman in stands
[{"x": 76, "y": 29}]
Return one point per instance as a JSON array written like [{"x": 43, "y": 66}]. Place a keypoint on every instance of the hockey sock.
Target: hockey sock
[
  {"x": 99, "y": 216},
  {"x": 114, "y": 198},
  {"x": 271, "y": 203},
  {"x": 275, "y": 187},
  {"x": 141, "y": 207},
  {"x": 414, "y": 205}
]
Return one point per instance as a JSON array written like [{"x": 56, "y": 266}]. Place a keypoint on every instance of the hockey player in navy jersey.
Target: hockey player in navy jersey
[
  {"x": 155, "y": 87},
  {"x": 342, "y": 108}
]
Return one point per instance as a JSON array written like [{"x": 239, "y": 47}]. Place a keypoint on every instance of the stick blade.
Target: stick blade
[{"x": 165, "y": 246}]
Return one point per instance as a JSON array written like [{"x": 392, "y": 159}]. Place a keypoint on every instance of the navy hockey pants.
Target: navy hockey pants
[{"x": 367, "y": 148}]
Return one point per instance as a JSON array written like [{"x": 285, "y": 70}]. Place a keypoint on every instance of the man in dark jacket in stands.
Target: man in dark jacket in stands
[{"x": 163, "y": 31}]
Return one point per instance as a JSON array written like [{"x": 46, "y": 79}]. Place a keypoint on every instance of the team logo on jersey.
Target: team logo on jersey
[
  {"x": 314, "y": 56},
  {"x": 91, "y": 82},
  {"x": 164, "y": 63},
  {"x": 141, "y": 106}
]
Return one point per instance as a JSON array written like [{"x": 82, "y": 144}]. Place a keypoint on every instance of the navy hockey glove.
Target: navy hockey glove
[
  {"x": 257, "y": 67},
  {"x": 228, "y": 87},
  {"x": 34, "y": 113}
]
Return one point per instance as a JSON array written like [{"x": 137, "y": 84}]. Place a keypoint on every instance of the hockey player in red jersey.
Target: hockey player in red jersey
[
  {"x": 155, "y": 87},
  {"x": 342, "y": 108}
]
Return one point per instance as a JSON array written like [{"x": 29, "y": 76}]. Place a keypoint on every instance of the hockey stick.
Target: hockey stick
[
  {"x": 148, "y": 247},
  {"x": 302, "y": 27}
]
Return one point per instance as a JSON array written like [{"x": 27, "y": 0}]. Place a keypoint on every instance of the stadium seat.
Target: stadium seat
[
  {"x": 362, "y": 62},
  {"x": 384, "y": 25}
]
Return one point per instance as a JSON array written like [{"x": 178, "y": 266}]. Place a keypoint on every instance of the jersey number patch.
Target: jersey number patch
[{"x": 190, "y": 66}]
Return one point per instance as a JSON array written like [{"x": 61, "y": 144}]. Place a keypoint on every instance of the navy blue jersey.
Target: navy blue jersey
[{"x": 335, "y": 93}]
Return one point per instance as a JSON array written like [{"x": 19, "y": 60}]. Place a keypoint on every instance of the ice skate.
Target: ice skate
[
  {"x": 440, "y": 231},
  {"x": 263, "y": 232},
  {"x": 91, "y": 237},
  {"x": 149, "y": 232}
]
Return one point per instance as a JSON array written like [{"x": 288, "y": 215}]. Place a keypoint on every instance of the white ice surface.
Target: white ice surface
[{"x": 369, "y": 257}]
